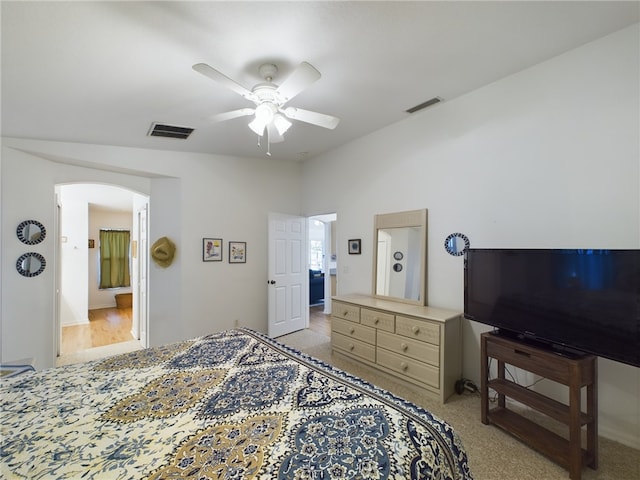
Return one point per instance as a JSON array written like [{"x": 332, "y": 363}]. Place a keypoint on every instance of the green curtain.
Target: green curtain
[{"x": 114, "y": 258}]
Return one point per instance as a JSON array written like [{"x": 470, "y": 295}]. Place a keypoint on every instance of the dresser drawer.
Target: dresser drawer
[
  {"x": 409, "y": 368},
  {"x": 353, "y": 346},
  {"x": 355, "y": 330},
  {"x": 346, "y": 311},
  {"x": 377, "y": 319},
  {"x": 418, "y": 329},
  {"x": 421, "y": 351}
]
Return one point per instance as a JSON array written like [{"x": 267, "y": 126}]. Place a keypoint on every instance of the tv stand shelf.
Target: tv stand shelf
[{"x": 575, "y": 373}]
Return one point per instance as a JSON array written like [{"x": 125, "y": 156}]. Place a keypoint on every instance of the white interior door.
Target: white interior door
[{"x": 288, "y": 280}]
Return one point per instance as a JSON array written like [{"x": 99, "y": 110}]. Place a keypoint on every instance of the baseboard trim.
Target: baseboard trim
[
  {"x": 79, "y": 322},
  {"x": 629, "y": 440},
  {"x": 100, "y": 307}
]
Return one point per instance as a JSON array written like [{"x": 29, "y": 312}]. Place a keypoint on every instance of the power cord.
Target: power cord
[
  {"x": 464, "y": 385},
  {"x": 513, "y": 378}
]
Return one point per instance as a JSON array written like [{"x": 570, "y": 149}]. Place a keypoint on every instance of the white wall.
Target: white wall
[
  {"x": 545, "y": 158},
  {"x": 74, "y": 288},
  {"x": 191, "y": 196}
]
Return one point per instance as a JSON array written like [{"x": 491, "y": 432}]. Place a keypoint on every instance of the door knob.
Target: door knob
[{"x": 272, "y": 282}]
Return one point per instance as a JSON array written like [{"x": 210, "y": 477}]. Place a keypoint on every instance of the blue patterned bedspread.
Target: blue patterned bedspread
[{"x": 232, "y": 405}]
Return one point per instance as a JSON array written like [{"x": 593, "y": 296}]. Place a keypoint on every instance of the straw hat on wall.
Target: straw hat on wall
[{"x": 163, "y": 251}]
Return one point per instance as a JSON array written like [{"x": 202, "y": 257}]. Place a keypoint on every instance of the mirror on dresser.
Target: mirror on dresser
[{"x": 400, "y": 256}]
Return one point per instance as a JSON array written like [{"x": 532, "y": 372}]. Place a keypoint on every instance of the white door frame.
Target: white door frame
[
  {"x": 326, "y": 261},
  {"x": 141, "y": 293},
  {"x": 57, "y": 286}
]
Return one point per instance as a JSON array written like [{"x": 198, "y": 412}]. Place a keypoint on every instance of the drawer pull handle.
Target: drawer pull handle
[
  {"x": 404, "y": 366},
  {"x": 376, "y": 320},
  {"x": 345, "y": 313},
  {"x": 520, "y": 352},
  {"x": 404, "y": 347},
  {"x": 351, "y": 346},
  {"x": 352, "y": 331},
  {"x": 415, "y": 329}
]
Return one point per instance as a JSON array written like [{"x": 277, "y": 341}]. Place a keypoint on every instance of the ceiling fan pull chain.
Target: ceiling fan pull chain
[{"x": 268, "y": 142}]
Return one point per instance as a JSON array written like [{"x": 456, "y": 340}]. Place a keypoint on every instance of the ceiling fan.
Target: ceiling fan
[{"x": 270, "y": 113}]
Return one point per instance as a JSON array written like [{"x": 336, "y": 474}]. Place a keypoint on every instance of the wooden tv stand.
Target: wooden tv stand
[{"x": 573, "y": 372}]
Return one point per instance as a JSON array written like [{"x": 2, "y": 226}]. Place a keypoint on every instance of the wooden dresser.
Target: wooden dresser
[{"x": 416, "y": 345}]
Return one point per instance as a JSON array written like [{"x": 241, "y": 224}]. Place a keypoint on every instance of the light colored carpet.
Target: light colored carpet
[{"x": 493, "y": 454}]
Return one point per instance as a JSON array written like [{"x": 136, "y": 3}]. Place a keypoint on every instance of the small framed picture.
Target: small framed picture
[
  {"x": 354, "y": 246},
  {"x": 237, "y": 252},
  {"x": 211, "y": 249}
]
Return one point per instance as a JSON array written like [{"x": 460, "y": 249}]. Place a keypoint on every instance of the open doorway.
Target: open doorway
[
  {"x": 322, "y": 270},
  {"x": 95, "y": 319}
]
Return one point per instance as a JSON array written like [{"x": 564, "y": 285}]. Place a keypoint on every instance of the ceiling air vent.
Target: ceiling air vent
[
  {"x": 426, "y": 104},
  {"x": 170, "y": 131}
]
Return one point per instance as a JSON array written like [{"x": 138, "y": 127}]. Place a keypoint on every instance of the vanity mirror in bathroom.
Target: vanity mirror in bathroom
[
  {"x": 400, "y": 256},
  {"x": 31, "y": 232},
  {"x": 30, "y": 264}
]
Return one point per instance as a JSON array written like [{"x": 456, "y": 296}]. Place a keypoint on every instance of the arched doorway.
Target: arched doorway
[{"x": 90, "y": 322}]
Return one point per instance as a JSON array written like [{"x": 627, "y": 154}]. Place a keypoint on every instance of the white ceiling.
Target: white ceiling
[{"x": 103, "y": 72}]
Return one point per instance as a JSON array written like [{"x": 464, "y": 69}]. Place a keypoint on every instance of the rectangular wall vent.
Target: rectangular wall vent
[
  {"x": 170, "y": 131},
  {"x": 426, "y": 104}
]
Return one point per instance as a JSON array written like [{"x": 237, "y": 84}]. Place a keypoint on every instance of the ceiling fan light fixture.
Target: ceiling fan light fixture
[
  {"x": 264, "y": 115},
  {"x": 281, "y": 123},
  {"x": 265, "y": 112},
  {"x": 258, "y": 126}
]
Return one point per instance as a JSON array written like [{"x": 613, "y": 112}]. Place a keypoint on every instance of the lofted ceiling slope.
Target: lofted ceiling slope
[{"x": 104, "y": 72}]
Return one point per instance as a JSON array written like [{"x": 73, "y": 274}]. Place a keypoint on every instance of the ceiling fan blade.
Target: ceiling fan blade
[
  {"x": 221, "y": 117},
  {"x": 314, "y": 118},
  {"x": 216, "y": 76},
  {"x": 274, "y": 135},
  {"x": 303, "y": 76}
]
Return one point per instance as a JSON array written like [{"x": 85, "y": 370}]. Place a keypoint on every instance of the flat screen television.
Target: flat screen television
[{"x": 575, "y": 301}]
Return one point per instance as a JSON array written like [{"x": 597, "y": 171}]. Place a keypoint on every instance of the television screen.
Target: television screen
[{"x": 585, "y": 300}]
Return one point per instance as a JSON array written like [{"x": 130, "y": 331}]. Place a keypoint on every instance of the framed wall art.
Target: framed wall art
[
  {"x": 354, "y": 246},
  {"x": 237, "y": 252},
  {"x": 211, "y": 249}
]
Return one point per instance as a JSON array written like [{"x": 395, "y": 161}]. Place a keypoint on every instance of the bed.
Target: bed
[{"x": 232, "y": 405}]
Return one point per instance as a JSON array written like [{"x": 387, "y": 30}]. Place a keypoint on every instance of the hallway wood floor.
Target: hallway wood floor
[
  {"x": 106, "y": 326},
  {"x": 318, "y": 321}
]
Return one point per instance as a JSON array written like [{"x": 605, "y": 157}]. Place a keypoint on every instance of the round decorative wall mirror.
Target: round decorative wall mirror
[
  {"x": 30, "y": 264},
  {"x": 456, "y": 243},
  {"x": 31, "y": 232}
]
